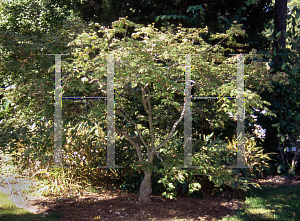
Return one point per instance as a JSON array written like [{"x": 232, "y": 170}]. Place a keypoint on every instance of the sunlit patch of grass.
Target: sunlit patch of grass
[
  {"x": 270, "y": 203},
  {"x": 9, "y": 212}
]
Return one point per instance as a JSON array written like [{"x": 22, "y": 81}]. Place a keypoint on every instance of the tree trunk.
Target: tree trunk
[
  {"x": 145, "y": 187},
  {"x": 280, "y": 25},
  {"x": 271, "y": 140},
  {"x": 295, "y": 158}
]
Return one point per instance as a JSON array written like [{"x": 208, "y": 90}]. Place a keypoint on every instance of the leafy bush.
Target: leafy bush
[
  {"x": 212, "y": 157},
  {"x": 255, "y": 158}
]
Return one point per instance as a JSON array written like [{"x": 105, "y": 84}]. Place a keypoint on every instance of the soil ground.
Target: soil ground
[
  {"x": 113, "y": 204},
  {"x": 116, "y": 205}
]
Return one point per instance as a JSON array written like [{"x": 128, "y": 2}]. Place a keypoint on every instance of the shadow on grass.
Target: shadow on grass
[{"x": 271, "y": 203}]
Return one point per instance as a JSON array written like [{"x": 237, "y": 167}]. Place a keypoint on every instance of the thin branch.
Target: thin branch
[
  {"x": 172, "y": 131},
  {"x": 149, "y": 97},
  {"x": 159, "y": 157},
  {"x": 216, "y": 44},
  {"x": 143, "y": 98},
  {"x": 150, "y": 118},
  {"x": 127, "y": 118},
  {"x": 137, "y": 147}
]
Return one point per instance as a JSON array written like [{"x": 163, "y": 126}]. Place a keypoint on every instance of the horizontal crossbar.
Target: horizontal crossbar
[
  {"x": 83, "y": 97},
  {"x": 213, "y": 97}
]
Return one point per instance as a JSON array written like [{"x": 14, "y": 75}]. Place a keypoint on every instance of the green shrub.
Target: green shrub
[{"x": 255, "y": 158}]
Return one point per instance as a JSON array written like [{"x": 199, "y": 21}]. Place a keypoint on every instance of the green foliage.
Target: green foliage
[
  {"x": 197, "y": 17},
  {"x": 31, "y": 29},
  {"x": 4, "y": 108},
  {"x": 140, "y": 59},
  {"x": 285, "y": 81},
  {"x": 255, "y": 158},
  {"x": 30, "y": 16},
  {"x": 219, "y": 15},
  {"x": 212, "y": 158}
]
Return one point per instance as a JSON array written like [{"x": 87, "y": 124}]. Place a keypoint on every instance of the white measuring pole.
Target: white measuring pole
[{"x": 188, "y": 114}]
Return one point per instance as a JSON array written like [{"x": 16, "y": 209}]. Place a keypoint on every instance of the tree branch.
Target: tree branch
[
  {"x": 127, "y": 118},
  {"x": 143, "y": 98},
  {"x": 149, "y": 116},
  {"x": 172, "y": 131},
  {"x": 137, "y": 147},
  {"x": 149, "y": 97}
]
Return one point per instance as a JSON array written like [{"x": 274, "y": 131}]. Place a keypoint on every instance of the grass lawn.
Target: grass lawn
[
  {"x": 9, "y": 212},
  {"x": 272, "y": 203}
]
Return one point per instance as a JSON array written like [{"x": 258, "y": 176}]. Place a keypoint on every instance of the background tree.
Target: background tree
[
  {"x": 271, "y": 141},
  {"x": 29, "y": 30},
  {"x": 216, "y": 15},
  {"x": 284, "y": 61}
]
